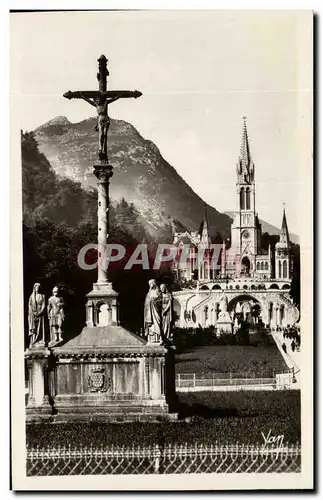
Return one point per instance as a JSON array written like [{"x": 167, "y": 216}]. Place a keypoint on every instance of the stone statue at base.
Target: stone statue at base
[
  {"x": 36, "y": 316},
  {"x": 56, "y": 316},
  {"x": 153, "y": 313},
  {"x": 224, "y": 321},
  {"x": 223, "y": 304},
  {"x": 167, "y": 312}
]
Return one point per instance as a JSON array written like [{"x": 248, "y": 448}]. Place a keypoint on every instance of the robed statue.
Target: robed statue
[
  {"x": 36, "y": 316},
  {"x": 55, "y": 311},
  {"x": 167, "y": 311},
  {"x": 153, "y": 313},
  {"x": 223, "y": 307},
  {"x": 223, "y": 304}
]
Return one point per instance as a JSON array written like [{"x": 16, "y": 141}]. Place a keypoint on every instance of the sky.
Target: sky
[{"x": 199, "y": 73}]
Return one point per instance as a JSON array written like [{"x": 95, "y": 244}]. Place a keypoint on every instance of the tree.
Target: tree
[
  {"x": 269, "y": 239},
  {"x": 255, "y": 312},
  {"x": 59, "y": 219}
]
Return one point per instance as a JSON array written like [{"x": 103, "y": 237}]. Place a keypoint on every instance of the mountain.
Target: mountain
[
  {"x": 269, "y": 228},
  {"x": 141, "y": 175}
]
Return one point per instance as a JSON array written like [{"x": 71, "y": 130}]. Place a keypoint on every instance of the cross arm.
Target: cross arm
[{"x": 110, "y": 94}]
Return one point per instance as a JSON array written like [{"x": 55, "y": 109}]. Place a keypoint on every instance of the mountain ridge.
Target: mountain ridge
[{"x": 141, "y": 175}]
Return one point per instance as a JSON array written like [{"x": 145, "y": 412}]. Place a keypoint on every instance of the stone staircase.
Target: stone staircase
[{"x": 292, "y": 359}]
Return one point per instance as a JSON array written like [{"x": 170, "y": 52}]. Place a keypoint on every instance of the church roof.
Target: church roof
[
  {"x": 105, "y": 336},
  {"x": 107, "y": 340},
  {"x": 186, "y": 238}
]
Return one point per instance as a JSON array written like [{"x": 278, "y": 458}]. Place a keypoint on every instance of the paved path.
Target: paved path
[{"x": 292, "y": 359}]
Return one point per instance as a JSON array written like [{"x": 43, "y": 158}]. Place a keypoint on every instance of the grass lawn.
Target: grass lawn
[
  {"x": 257, "y": 361},
  {"x": 228, "y": 417}
]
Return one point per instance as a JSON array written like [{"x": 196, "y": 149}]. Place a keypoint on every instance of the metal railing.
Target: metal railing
[
  {"x": 213, "y": 380},
  {"x": 169, "y": 459}
]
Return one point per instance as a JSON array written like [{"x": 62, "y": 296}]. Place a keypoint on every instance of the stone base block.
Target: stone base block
[
  {"x": 224, "y": 327},
  {"x": 37, "y": 413},
  {"x": 96, "y": 416},
  {"x": 69, "y": 409}
]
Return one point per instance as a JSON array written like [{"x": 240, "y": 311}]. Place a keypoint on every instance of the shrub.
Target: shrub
[{"x": 223, "y": 417}]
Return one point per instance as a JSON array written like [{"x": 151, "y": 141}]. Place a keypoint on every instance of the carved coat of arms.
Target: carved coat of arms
[{"x": 98, "y": 381}]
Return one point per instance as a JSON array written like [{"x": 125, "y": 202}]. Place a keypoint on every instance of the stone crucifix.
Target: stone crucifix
[{"x": 101, "y": 99}]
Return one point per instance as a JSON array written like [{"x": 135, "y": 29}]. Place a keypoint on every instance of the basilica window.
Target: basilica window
[
  {"x": 285, "y": 269},
  {"x": 206, "y": 269},
  {"x": 242, "y": 199},
  {"x": 279, "y": 269},
  {"x": 262, "y": 266},
  {"x": 266, "y": 266},
  {"x": 248, "y": 198},
  {"x": 258, "y": 266}
]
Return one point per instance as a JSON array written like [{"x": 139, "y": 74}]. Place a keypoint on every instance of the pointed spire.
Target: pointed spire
[
  {"x": 205, "y": 238},
  {"x": 284, "y": 234},
  {"x": 205, "y": 227},
  {"x": 245, "y": 154},
  {"x": 245, "y": 163},
  {"x": 205, "y": 224},
  {"x": 205, "y": 212}
]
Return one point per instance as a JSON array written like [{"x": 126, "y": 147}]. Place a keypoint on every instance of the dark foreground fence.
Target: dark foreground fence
[{"x": 170, "y": 459}]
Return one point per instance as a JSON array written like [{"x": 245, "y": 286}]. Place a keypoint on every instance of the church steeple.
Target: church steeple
[
  {"x": 205, "y": 238},
  {"x": 245, "y": 165},
  {"x": 282, "y": 252},
  {"x": 284, "y": 234},
  {"x": 245, "y": 230}
]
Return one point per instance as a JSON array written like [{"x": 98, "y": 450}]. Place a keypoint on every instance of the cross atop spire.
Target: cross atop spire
[{"x": 245, "y": 167}]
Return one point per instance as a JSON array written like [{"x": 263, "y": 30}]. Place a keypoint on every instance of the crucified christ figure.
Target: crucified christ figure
[
  {"x": 101, "y": 104},
  {"x": 100, "y": 99}
]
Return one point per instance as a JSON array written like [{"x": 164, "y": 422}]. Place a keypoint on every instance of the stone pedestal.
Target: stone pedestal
[
  {"x": 109, "y": 374},
  {"x": 224, "y": 323},
  {"x": 102, "y": 306},
  {"x": 38, "y": 405}
]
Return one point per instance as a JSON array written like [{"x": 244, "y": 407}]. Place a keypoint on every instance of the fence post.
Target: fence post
[
  {"x": 194, "y": 380},
  {"x": 157, "y": 459},
  {"x": 179, "y": 380}
]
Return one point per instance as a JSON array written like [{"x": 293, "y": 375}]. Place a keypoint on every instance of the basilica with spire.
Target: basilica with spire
[{"x": 251, "y": 278}]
